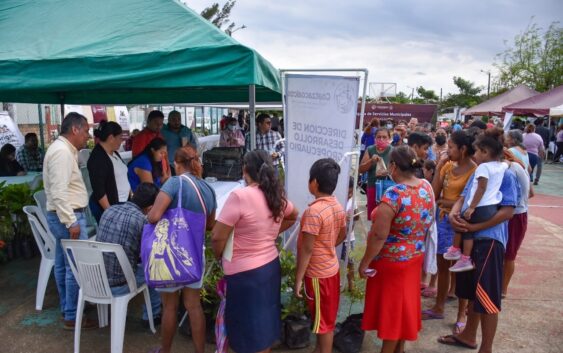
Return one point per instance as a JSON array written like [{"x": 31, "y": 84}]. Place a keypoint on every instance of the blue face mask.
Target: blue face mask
[{"x": 396, "y": 138}]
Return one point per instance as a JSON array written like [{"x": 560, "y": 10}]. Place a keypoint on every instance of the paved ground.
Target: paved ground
[{"x": 531, "y": 320}]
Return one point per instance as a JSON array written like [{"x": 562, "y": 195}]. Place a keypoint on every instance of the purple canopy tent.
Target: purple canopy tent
[
  {"x": 493, "y": 106},
  {"x": 537, "y": 105}
]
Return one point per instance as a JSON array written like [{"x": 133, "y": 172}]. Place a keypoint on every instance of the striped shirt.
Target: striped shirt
[{"x": 324, "y": 219}]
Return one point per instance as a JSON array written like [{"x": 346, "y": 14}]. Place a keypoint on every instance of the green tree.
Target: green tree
[
  {"x": 219, "y": 16},
  {"x": 468, "y": 95},
  {"x": 535, "y": 59},
  {"x": 400, "y": 97},
  {"x": 425, "y": 96}
]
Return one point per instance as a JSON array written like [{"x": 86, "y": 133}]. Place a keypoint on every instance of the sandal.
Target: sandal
[
  {"x": 458, "y": 328},
  {"x": 429, "y": 314},
  {"x": 430, "y": 292},
  {"x": 452, "y": 340}
]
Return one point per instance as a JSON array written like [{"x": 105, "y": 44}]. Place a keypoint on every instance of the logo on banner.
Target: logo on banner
[
  {"x": 311, "y": 98},
  {"x": 9, "y": 132},
  {"x": 345, "y": 100}
]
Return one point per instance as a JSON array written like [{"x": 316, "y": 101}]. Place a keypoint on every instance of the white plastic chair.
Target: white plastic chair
[
  {"x": 41, "y": 201},
  {"x": 87, "y": 264},
  {"x": 83, "y": 156},
  {"x": 46, "y": 244},
  {"x": 92, "y": 225}
]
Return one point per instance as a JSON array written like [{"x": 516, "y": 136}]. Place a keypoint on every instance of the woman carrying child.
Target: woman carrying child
[
  {"x": 482, "y": 203},
  {"x": 452, "y": 173}
]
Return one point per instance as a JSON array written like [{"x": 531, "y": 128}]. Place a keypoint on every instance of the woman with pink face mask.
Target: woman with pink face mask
[{"x": 380, "y": 151}]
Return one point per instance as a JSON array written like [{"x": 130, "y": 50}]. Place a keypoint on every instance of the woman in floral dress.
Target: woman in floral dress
[{"x": 395, "y": 250}]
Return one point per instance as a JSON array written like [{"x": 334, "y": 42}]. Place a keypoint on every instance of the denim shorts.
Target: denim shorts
[
  {"x": 445, "y": 235},
  {"x": 196, "y": 285}
]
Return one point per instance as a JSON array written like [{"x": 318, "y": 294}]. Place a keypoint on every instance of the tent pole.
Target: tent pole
[
  {"x": 252, "y": 113},
  {"x": 62, "y": 112},
  {"x": 548, "y": 139},
  {"x": 41, "y": 132}
]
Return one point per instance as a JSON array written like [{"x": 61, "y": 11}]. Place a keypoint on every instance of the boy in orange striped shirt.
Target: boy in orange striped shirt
[{"x": 323, "y": 227}]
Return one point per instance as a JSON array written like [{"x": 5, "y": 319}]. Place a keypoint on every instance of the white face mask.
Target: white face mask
[{"x": 232, "y": 127}]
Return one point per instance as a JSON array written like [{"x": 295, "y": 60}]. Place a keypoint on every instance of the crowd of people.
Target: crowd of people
[
  {"x": 127, "y": 197},
  {"x": 481, "y": 179},
  {"x": 471, "y": 184}
]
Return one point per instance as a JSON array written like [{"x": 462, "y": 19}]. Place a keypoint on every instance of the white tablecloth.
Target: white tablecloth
[
  {"x": 31, "y": 178},
  {"x": 206, "y": 143},
  {"x": 222, "y": 191}
]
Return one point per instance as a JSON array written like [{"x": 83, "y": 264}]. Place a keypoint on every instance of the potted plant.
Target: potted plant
[
  {"x": 7, "y": 232},
  {"x": 348, "y": 335},
  {"x": 16, "y": 197},
  {"x": 296, "y": 323},
  {"x": 209, "y": 297},
  {"x": 3, "y": 255}
]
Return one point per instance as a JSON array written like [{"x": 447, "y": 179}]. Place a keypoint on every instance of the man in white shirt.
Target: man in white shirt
[{"x": 67, "y": 200}]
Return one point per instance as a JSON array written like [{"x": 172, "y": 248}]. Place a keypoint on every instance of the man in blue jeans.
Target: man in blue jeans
[
  {"x": 67, "y": 200},
  {"x": 123, "y": 224}
]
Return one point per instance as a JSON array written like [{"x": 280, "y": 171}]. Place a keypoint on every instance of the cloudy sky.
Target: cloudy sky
[{"x": 409, "y": 42}]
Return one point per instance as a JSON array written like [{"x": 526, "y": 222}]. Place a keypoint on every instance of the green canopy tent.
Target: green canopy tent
[{"x": 124, "y": 52}]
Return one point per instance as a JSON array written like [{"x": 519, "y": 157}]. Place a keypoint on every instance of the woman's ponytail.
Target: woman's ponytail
[{"x": 258, "y": 165}]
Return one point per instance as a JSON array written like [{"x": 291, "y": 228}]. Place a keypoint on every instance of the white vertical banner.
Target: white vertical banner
[
  {"x": 73, "y": 108},
  {"x": 122, "y": 116},
  {"x": 320, "y": 115},
  {"x": 9, "y": 131},
  {"x": 190, "y": 117},
  {"x": 507, "y": 120}
]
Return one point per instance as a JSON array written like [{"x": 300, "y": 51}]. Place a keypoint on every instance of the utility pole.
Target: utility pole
[
  {"x": 488, "y": 82},
  {"x": 489, "y": 86}
]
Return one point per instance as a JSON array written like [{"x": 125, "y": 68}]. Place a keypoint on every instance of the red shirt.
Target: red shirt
[{"x": 142, "y": 140}]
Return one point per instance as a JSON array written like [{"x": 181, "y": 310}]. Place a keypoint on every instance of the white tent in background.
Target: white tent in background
[{"x": 556, "y": 111}]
